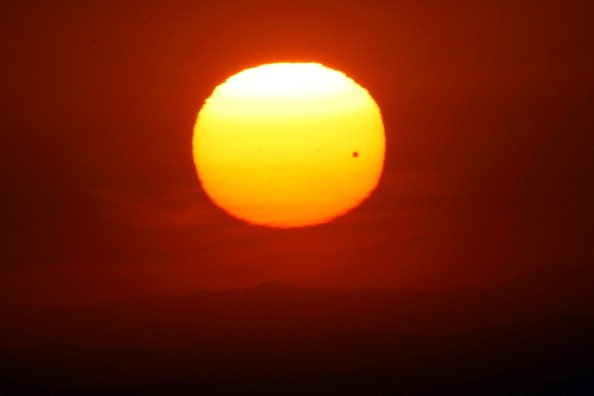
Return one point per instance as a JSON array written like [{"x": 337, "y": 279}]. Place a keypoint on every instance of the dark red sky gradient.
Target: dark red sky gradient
[{"x": 489, "y": 120}]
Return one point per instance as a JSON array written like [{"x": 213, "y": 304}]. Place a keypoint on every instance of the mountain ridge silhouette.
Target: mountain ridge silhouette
[{"x": 284, "y": 311}]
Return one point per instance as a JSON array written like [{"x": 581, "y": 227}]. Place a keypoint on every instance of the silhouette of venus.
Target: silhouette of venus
[{"x": 289, "y": 145}]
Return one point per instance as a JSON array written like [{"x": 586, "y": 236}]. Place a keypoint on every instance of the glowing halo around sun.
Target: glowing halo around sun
[{"x": 289, "y": 145}]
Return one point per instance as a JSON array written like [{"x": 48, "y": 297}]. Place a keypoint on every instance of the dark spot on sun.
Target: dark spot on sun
[{"x": 355, "y": 154}]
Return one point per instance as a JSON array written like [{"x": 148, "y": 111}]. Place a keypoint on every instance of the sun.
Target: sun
[{"x": 289, "y": 145}]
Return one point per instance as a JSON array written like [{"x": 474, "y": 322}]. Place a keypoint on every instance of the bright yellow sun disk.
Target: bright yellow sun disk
[{"x": 289, "y": 145}]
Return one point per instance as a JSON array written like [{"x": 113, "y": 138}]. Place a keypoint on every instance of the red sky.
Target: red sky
[{"x": 488, "y": 115}]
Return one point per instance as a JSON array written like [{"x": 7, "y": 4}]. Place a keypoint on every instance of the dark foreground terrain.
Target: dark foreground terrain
[{"x": 531, "y": 336}]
